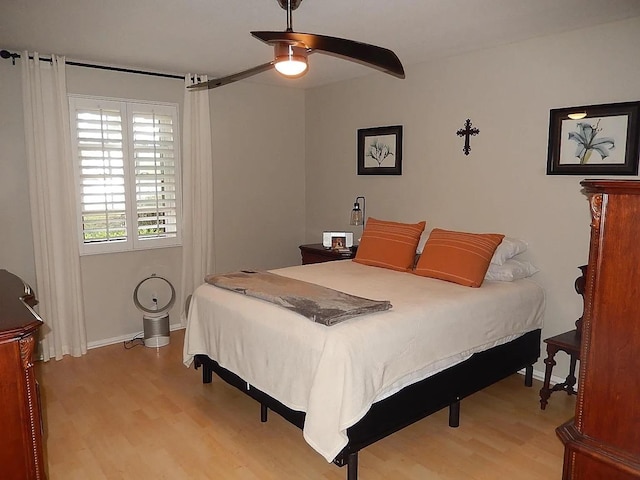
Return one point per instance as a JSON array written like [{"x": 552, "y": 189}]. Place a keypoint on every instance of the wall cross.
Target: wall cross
[{"x": 467, "y": 132}]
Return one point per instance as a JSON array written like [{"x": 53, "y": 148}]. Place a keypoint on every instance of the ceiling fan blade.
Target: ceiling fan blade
[
  {"x": 218, "y": 82},
  {"x": 370, "y": 55}
]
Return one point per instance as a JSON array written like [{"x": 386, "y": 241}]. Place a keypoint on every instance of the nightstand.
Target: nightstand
[{"x": 316, "y": 253}]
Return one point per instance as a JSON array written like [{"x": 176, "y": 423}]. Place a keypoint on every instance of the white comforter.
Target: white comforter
[{"x": 336, "y": 373}]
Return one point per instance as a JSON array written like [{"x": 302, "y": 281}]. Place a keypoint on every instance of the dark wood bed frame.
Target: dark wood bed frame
[{"x": 412, "y": 403}]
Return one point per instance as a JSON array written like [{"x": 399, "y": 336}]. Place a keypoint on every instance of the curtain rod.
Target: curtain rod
[{"x": 7, "y": 54}]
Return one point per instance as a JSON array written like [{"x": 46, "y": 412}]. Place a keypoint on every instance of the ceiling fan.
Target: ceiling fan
[{"x": 292, "y": 48}]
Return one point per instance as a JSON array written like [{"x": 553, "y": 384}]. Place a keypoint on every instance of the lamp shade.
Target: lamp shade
[
  {"x": 290, "y": 61},
  {"x": 357, "y": 213}
]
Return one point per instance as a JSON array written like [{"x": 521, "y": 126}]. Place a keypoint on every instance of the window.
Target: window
[{"x": 127, "y": 164}]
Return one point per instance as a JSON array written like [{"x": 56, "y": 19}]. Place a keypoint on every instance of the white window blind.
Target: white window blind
[{"x": 128, "y": 174}]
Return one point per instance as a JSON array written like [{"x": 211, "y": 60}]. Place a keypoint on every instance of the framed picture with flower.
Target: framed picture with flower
[
  {"x": 380, "y": 150},
  {"x": 594, "y": 140}
]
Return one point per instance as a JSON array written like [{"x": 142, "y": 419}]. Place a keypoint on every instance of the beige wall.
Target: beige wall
[
  {"x": 258, "y": 146},
  {"x": 258, "y": 138},
  {"x": 16, "y": 245},
  {"x": 501, "y": 186}
]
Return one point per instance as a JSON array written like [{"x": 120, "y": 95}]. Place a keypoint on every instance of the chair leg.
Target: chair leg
[{"x": 545, "y": 391}]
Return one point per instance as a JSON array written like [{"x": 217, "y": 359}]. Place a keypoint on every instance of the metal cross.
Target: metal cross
[{"x": 466, "y": 132}]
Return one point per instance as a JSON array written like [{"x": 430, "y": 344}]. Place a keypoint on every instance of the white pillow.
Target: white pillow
[
  {"x": 508, "y": 248},
  {"x": 423, "y": 241},
  {"x": 510, "y": 270}
]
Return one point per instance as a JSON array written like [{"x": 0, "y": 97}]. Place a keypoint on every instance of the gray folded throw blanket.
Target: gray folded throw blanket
[{"x": 317, "y": 303}]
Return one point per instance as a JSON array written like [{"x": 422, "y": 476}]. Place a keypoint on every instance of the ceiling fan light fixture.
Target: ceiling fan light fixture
[
  {"x": 291, "y": 61},
  {"x": 292, "y": 48}
]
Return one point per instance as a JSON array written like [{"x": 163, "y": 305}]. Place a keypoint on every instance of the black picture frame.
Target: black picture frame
[
  {"x": 380, "y": 150},
  {"x": 595, "y": 140}
]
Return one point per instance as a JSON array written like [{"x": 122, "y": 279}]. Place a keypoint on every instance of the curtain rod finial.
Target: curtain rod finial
[{"x": 7, "y": 54}]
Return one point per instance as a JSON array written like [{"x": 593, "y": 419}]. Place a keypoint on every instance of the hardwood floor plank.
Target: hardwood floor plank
[{"x": 140, "y": 414}]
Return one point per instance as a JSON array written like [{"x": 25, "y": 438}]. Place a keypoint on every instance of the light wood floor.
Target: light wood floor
[{"x": 140, "y": 414}]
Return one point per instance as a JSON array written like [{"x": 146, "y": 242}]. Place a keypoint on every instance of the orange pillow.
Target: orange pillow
[
  {"x": 457, "y": 257},
  {"x": 389, "y": 244}
]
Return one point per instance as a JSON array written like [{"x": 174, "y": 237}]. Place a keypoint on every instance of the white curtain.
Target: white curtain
[
  {"x": 197, "y": 191},
  {"x": 52, "y": 198}
]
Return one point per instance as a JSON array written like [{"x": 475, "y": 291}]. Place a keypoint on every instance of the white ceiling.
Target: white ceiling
[{"x": 212, "y": 36}]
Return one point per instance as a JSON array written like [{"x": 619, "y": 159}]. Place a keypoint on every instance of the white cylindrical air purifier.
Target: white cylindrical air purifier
[{"x": 154, "y": 296}]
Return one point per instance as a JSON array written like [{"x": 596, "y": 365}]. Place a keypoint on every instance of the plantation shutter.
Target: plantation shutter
[
  {"x": 127, "y": 164},
  {"x": 154, "y": 142},
  {"x": 100, "y": 163}
]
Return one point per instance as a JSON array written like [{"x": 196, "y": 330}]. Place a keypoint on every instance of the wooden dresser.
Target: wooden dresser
[
  {"x": 21, "y": 452},
  {"x": 602, "y": 442}
]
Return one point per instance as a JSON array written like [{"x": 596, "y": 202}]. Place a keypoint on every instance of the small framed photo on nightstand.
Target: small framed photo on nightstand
[{"x": 339, "y": 242}]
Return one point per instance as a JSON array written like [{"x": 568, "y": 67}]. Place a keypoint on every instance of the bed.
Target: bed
[{"x": 353, "y": 383}]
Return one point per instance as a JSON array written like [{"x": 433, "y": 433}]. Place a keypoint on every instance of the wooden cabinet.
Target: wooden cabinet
[
  {"x": 603, "y": 440},
  {"x": 316, "y": 253},
  {"x": 21, "y": 452}
]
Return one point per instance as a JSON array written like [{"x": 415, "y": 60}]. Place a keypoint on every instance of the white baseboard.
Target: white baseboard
[
  {"x": 124, "y": 338},
  {"x": 538, "y": 375}
]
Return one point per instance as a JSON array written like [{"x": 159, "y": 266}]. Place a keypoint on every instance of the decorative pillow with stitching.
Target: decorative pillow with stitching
[
  {"x": 458, "y": 257},
  {"x": 389, "y": 244}
]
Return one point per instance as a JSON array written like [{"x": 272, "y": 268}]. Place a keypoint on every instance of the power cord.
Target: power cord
[{"x": 134, "y": 342}]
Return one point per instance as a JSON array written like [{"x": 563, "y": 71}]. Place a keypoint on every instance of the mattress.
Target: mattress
[{"x": 334, "y": 374}]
